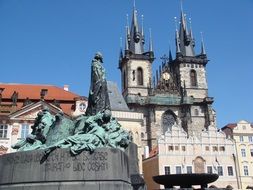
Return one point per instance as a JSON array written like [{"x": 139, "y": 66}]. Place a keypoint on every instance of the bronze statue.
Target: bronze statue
[{"x": 98, "y": 100}]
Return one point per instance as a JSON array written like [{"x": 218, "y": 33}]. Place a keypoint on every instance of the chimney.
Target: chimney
[
  {"x": 43, "y": 93},
  {"x": 66, "y": 87}
]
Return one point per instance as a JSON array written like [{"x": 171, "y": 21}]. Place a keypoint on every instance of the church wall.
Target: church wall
[
  {"x": 132, "y": 121},
  {"x": 131, "y": 72},
  {"x": 201, "y": 90}
]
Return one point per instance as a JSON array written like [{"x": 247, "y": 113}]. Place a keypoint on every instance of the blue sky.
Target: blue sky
[{"x": 53, "y": 42}]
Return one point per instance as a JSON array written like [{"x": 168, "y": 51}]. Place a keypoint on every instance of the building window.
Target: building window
[
  {"x": 215, "y": 148},
  {"x": 166, "y": 170},
  {"x": 178, "y": 170},
  {"x": 251, "y": 152},
  {"x": 3, "y": 131},
  {"x": 196, "y": 111},
  {"x": 139, "y": 76},
  {"x": 24, "y": 131},
  {"x": 230, "y": 171},
  {"x": 222, "y": 148},
  {"x": 250, "y": 139},
  {"x": 220, "y": 170},
  {"x": 189, "y": 169},
  {"x": 243, "y": 152},
  {"x": 207, "y": 148},
  {"x": 170, "y": 148},
  {"x": 168, "y": 120},
  {"x": 241, "y": 138},
  {"x": 209, "y": 169},
  {"x": 176, "y": 148},
  {"x": 245, "y": 170},
  {"x": 193, "y": 76},
  {"x": 183, "y": 148}
]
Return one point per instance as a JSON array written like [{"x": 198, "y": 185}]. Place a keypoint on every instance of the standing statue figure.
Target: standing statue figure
[{"x": 98, "y": 100}]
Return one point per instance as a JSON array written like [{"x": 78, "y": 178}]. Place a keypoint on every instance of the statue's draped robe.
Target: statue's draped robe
[{"x": 98, "y": 96}]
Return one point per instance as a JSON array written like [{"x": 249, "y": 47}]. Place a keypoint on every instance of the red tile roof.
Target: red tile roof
[{"x": 32, "y": 91}]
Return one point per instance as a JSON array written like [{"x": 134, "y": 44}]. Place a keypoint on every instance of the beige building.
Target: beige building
[
  {"x": 20, "y": 103},
  {"x": 242, "y": 133},
  {"x": 211, "y": 152}
]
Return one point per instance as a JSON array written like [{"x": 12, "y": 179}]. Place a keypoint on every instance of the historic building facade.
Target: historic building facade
[
  {"x": 242, "y": 133},
  {"x": 20, "y": 103},
  {"x": 177, "y": 153},
  {"x": 179, "y": 122},
  {"x": 178, "y": 93}
]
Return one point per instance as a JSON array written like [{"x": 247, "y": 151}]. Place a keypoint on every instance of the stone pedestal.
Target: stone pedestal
[{"x": 104, "y": 169}]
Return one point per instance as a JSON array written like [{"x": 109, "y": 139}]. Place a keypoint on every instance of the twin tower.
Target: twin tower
[{"x": 177, "y": 94}]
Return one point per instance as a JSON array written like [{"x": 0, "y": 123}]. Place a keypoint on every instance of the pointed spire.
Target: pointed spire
[
  {"x": 127, "y": 27},
  {"x": 203, "y": 50},
  {"x": 126, "y": 40},
  {"x": 177, "y": 38},
  {"x": 150, "y": 41},
  {"x": 186, "y": 42},
  {"x": 142, "y": 29},
  {"x": 121, "y": 52},
  {"x": 182, "y": 20},
  {"x": 170, "y": 56},
  {"x": 136, "y": 40},
  {"x": 191, "y": 33}
]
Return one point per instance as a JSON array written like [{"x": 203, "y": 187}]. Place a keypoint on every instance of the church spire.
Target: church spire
[
  {"x": 203, "y": 50},
  {"x": 186, "y": 40},
  {"x": 150, "y": 41},
  {"x": 142, "y": 29},
  {"x": 127, "y": 39},
  {"x": 170, "y": 56},
  {"x": 136, "y": 43},
  {"x": 178, "y": 51}
]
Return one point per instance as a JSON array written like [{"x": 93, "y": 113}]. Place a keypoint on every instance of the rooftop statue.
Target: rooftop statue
[{"x": 94, "y": 130}]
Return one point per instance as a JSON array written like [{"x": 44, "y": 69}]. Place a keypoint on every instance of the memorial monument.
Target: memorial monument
[{"x": 92, "y": 152}]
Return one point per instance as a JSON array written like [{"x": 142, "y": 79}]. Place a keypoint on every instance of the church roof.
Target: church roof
[{"x": 116, "y": 99}]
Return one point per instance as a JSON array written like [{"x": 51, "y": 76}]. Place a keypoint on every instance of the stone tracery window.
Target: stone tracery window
[
  {"x": 168, "y": 120},
  {"x": 139, "y": 76}
]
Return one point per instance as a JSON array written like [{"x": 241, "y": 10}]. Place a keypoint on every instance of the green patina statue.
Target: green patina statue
[{"x": 86, "y": 133}]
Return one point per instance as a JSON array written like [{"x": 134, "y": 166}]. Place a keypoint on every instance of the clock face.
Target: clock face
[
  {"x": 166, "y": 76},
  {"x": 82, "y": 107}
]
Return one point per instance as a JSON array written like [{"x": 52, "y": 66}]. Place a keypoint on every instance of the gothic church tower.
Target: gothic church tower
[
  {"x": 177, "y": 94},
  {"x": 135, "y": 64}
]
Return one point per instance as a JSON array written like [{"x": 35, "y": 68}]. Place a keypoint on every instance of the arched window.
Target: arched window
[
  {"x": 168, "y": 120},
  {"x": 142, "y": 135},
  {"x": 139, "y": 76},
  {"x": 193, "y": 76}
]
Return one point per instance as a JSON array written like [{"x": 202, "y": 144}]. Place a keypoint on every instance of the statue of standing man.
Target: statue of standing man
[{"x": 98, "y": 100}]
